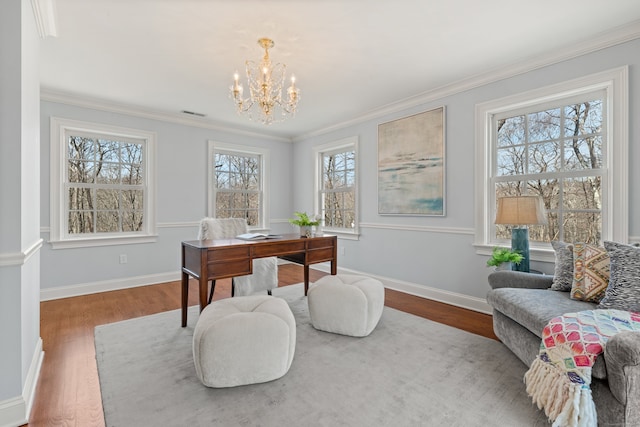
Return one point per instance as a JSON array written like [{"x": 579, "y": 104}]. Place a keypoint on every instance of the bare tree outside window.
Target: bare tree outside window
[
  {"x": 105, "y": 186},
  {"x": 238, "y": 192},
  {"x": 337, "y": 193},
  {"x": 555, "y": 153}
]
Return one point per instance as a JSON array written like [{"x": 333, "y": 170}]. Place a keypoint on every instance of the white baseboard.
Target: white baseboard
[
  {"x": 47, "y": 294},
  {"x": 15, "y": 411},
  {"x": 451, "y": 298}
]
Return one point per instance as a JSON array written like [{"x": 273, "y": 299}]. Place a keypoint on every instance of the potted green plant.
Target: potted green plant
[
  {"x": 501, "y": 256},
  {"x": 305, "y": 223}
]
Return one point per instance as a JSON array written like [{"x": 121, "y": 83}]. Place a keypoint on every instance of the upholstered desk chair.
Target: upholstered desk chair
[{"x": 265, "y": 270}]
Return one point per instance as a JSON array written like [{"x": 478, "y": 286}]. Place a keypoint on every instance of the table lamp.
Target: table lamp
[{"x": 521, "y": 211}]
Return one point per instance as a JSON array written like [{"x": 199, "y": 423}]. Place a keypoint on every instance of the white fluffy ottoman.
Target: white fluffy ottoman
[
  {"x": 244, "y": 340},
  {"x": 346, "y": 304}
]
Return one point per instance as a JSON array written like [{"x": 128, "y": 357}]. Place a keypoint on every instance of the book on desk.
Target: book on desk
[{"x": 257, "y": 236}]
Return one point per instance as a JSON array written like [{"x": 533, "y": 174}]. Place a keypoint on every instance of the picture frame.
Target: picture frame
[{"x": 411, "y": 165}]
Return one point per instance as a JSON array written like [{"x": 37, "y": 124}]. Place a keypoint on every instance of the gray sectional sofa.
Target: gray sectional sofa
[{"x": 523, "y": 303}]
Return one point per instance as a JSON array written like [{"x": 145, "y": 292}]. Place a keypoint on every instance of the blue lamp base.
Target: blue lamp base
[{"x": 520, "y": 243}]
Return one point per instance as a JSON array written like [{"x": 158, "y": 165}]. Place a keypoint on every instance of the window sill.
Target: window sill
[
  {"x": 535, "y": 253},
  {"x": 102, "y": 241},
  {"x": 341, "y": 234}
]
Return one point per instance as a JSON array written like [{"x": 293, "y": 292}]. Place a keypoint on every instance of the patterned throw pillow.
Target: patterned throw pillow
[
  {"x": 623, "y": 292},
  {"x": 563, "y": 274},
  {"x": 590, "y": 272}
]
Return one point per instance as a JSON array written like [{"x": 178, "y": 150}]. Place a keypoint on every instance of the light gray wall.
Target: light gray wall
[
  {"x": 417, "y": 254},
  {"x": 20, "y": 348},
  {"x": 438, "y": 252},
  {"x": 181, "y": 171}
]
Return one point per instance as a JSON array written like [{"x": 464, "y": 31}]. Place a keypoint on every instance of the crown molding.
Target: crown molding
[
  {"x": 44, "y": 12},
  {"x": 607, "y": 39},
  {"x": 50, "y": 95}
]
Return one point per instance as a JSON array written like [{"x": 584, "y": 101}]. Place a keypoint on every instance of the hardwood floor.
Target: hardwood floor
[{"x": 68, "y": 392}]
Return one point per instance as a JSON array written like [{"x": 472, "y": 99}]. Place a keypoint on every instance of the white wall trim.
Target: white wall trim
[
  {"x": 20, "y": 258},
  {"x": 47, "y": 294},
  {"x": 418, "y": 228},
  {"x": 452, "y": 298},
  {"x": 84, "y": 101},
  {"x": 13, "y": 412},
  {"x": 16, "y": 411},
  {"x": 447, "y": 297},
  {"x": 188, "y": 224},
  {"x": 29, "y": 390},
  {"x": 45, "y": 13}
]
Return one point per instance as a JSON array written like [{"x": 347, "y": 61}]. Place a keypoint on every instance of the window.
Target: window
[
  {"x": 336, "y": 186},
  {"x": 102, "y": 184},
  {"x": 236, "y": 176},
  {"x": 567, "y": 144},
  {"x": 555, "y": 153}
]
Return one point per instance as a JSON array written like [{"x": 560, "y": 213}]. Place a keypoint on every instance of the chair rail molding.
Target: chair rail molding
[
  {"x": 418, "y": 228},
  {"x": 20, "y": 258}
]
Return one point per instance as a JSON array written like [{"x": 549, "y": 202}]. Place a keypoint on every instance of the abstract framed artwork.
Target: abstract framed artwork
[{"x": 411, "y": 165}]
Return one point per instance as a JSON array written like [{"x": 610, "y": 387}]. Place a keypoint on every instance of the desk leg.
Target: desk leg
[
  {"x": 306, "y": 279},
  {"x": 203, "y": 292},
  {"x": 185, "y": 297}
]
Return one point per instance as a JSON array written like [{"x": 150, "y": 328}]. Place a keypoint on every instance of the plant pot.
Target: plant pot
[
  {"x": 505, "y": 266},
  {"x": 305, "y": 231}
]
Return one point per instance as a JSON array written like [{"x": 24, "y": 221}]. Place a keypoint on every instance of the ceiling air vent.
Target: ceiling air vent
[{"x": 191, "y": 113}]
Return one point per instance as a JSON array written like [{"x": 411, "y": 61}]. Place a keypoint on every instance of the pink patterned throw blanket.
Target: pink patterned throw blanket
[{"x": 559, "y": 379}]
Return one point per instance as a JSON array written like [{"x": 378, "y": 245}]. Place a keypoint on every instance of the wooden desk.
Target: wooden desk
[{"x": 207, "y": 260}]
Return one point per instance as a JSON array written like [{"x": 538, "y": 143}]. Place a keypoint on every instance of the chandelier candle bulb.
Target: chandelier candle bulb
[{"x": 236, "y": 89}]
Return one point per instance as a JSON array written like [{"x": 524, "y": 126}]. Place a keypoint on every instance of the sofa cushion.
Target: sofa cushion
[
  {"x": 590, "y": 272},
  {"x": 623, "y": 292},
  {"x": 533, "y": 308},
  {"x": 563, "y": 273}
]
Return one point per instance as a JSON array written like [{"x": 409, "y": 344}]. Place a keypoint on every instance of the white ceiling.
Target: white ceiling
[{"x": 350, "y": 57}]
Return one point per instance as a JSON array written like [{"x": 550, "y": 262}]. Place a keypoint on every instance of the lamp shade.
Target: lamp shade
[{"x": 521, "y": 210}]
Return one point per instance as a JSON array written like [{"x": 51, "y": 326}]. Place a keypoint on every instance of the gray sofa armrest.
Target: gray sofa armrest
[
  {"x": 622, "y": 358},
  {"x": 518, "y": 279}
]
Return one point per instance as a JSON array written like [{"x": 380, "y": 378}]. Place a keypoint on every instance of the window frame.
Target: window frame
[
  {"x": 263, "y": 154},
  {"x": 346, "y": 144},
  {"x": 59, "y": 238},
  {"x": 614, "y": 211}
]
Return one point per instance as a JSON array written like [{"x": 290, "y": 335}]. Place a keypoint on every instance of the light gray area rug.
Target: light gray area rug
[{"x": 409, "y": 372}]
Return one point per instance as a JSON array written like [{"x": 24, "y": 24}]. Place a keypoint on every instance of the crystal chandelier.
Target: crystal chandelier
[{"x": 265, "y": 102}]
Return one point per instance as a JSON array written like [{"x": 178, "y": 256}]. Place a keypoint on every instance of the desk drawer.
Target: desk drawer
[
  {"x": 277, "y": 248},
  {"x": 319, "y": 255},
  {"x": 238, "y": 267},
  {"x": 322, "y": 243},
  {"x": 228, "y": 253}
]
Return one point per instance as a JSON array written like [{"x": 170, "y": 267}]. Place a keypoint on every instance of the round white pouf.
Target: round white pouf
[
  {"x": 244, "y": 340},
  {"x": 346, "y": 304}
]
